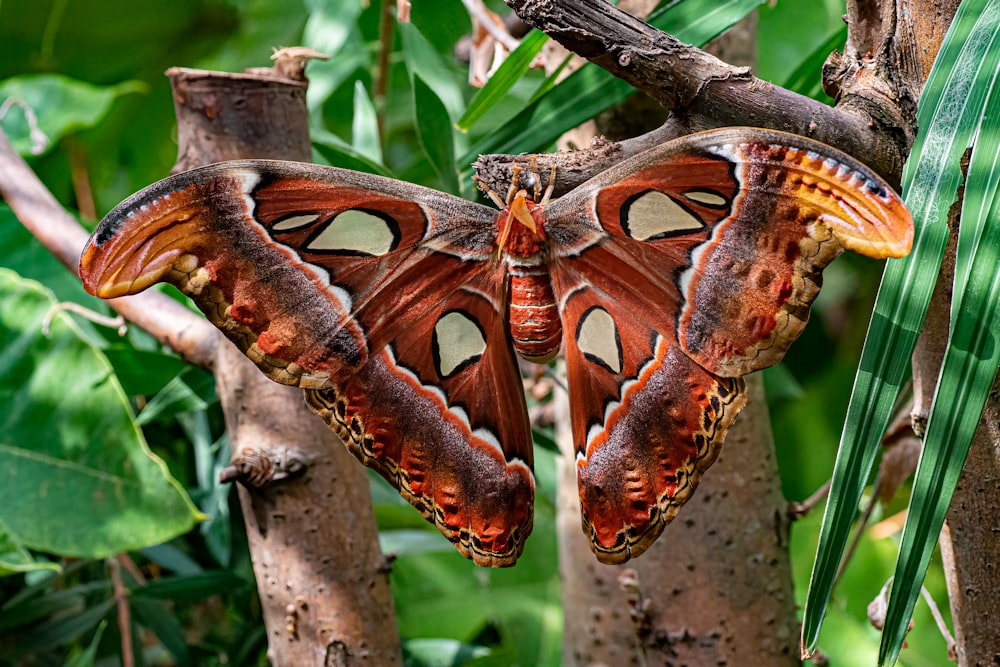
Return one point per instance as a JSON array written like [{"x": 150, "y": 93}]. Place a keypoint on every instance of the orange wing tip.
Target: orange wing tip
[{"x": 892, "y": 240}]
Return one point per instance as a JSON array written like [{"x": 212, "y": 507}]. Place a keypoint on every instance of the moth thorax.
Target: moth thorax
[{"x": 534, "y": 318}]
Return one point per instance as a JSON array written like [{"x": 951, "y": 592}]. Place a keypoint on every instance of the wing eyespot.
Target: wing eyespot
[
  {"x": 652, "y": 215},
  {"x": 358, "y": 232},
  {"x": 458, "y": 342},
  {"x": 598, "y": 338}
]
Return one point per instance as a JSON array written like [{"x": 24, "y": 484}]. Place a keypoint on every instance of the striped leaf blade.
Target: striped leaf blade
[
  {"x": 967, "y": 373},
  {"x": 950, "y": 107}
]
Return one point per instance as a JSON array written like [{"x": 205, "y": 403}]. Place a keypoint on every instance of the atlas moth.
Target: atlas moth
[{"x": 398, "y": 309}]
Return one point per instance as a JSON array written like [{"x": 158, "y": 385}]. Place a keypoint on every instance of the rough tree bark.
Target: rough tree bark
[{"x": 323, "y": 582}]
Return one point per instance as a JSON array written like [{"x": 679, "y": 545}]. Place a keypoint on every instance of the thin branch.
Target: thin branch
[
  {"x": 124, "y": 613},
  {"x": 187, "y": 333}
]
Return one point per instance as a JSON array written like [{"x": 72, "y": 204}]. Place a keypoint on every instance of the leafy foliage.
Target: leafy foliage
[{"x": 92, "y": 72}]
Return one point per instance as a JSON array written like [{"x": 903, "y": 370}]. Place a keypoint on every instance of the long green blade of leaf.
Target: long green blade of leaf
[
  {"x": 950, "y": 107},
  {"x": 590, "y": 90},
  {"x": 967, "y": 373},
  {"x": 509, "y": 73}
]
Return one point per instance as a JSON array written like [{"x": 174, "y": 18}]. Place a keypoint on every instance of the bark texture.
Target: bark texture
[
  {"x": 970, "y": 546},
  {"x": 323, "y": 582}
]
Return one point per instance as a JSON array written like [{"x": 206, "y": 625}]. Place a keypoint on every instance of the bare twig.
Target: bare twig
[
  {"x": 117, "y": 322},
  {"x": 124, "y": 613}
]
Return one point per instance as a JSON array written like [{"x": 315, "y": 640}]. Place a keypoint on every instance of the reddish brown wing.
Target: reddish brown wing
[
  {"x": 711, "y": 245},
  {"x": 368, "y": 291}
]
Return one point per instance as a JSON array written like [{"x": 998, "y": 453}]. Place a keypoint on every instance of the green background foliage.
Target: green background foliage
[{"x": 84, "y": 407}]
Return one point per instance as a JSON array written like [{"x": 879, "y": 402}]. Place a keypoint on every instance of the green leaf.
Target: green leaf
[
  {"x": 78, "y": 477},
  {"x": 500, "y": 83},
  {"x": 423, "y": 61},
  {"x": 441, "y": 652},
  {"x": 157, "y": 616},
  {"x": 331, "y": 29},
  {"x": 86, "y": 657},
  {"x": 336, "y": 152},
  {"x": 61, "y": 105},
  {"x": 172, "y": 558},
  {"x": 806, "y": 78},
  {"x": 435, "y": 133},
  {"x": 364, "y": 137},
  {"x": 65, "y": 629},
  {"x": 950, "y": 109},
  {"x": 15, "y": 559},
  {"x": 193, "y": 389},
  {"x": 191, "y": 587},
  {"x": 142, "y": 372}
]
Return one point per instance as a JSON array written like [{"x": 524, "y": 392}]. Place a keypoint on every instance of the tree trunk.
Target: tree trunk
[{"x": 323, "y": 582}]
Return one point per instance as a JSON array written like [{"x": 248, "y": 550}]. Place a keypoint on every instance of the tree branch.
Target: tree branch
[{"x": 702, "y": 90}]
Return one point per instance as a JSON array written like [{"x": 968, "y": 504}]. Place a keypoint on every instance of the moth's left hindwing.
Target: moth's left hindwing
[{"x": 384, "y": 298}]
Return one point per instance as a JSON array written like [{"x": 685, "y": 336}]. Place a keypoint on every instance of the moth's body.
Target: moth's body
[
  {"x": 399, "y": 309},
  {"x": 535, "y": 326}
]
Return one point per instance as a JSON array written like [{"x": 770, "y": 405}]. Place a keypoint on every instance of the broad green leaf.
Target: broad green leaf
[
  {"x": 78, "y": 477},
  {"x": 500, "y": 83},
  {"x": 591, "y": 89},
  {"x": 967, "y": 374},
  {"x": 364, "y": 135},
  {"x": 950, "y": 109},
  {"x": 435, "y": 133},
  {"x": 61, "y": 105}
]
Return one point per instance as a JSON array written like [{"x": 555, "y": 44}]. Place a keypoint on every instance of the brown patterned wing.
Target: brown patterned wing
[
  {"x": 368, "y": 291},
  {"x": 647, "y": 420},
  {"x": 704, "y": 255}
]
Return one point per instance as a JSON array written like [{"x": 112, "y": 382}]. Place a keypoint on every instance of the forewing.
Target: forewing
[{"x": 726, "y": 233}]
